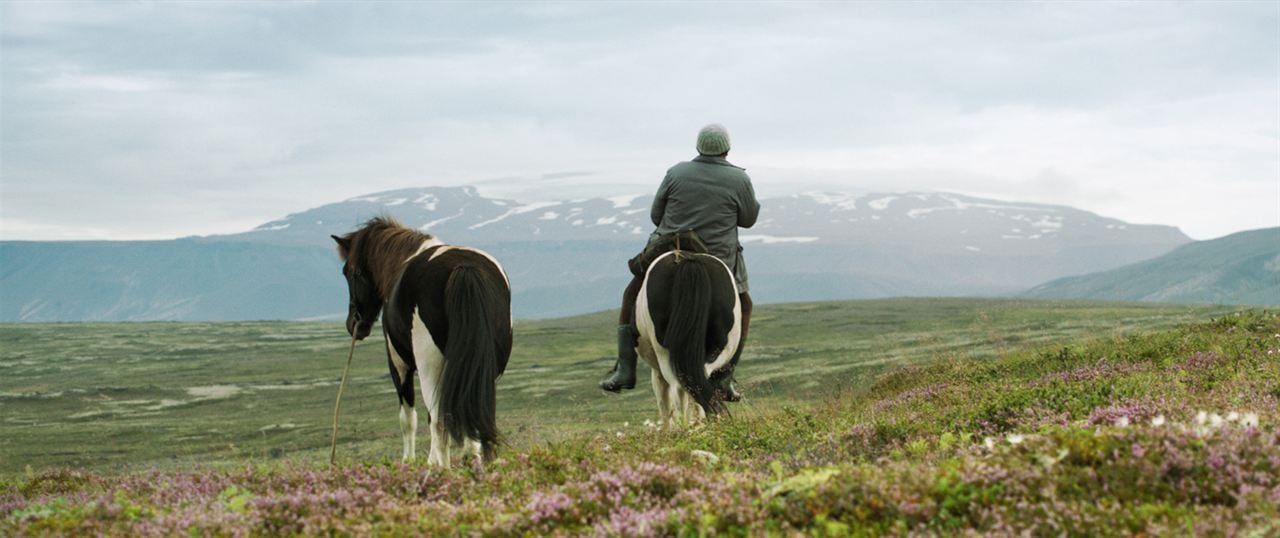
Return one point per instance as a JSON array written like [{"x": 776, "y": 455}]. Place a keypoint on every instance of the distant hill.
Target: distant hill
[
  {"x": 166, "y": 280},
  {"x": 568, "y": 256},
  {"x": 1242, "y": 268}
]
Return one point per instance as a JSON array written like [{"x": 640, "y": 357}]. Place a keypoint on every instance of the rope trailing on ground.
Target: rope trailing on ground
[{"x": 337, "y": 405}]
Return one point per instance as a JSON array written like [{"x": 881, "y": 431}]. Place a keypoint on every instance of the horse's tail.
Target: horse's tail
[
  {"x": 687, "y": 325},
  {"x": 468, "y": 393}
]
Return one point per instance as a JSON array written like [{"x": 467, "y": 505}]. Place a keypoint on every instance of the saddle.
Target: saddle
[{"x": 659, "y": 244}]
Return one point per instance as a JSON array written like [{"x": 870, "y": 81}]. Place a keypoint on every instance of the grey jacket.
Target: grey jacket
[{"x": 712, "y": 197}]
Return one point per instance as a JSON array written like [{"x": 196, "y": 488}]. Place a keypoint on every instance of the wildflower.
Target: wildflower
[
  {"x": 1233, "y": 416},
  {"x": 706, "y": 457},
  {"x": 626, "y": 424},
  {"x": 619, "y": 434},
  {"x": 1201, "y": 418},
  {"x": 1158, "y": 421},
  {"x": 989, "y": 443},
  {"x": 1122, "y": 422},
  {"x": 1215, "y": 420},
  {"x": 1249, "y": 420},
  {"x": 1015, "y": 438}
]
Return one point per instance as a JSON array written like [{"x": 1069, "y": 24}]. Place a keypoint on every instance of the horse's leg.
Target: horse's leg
[
  {"x": 660, "y": 393},
  {"x": 686, "y": 408},
  {"x": 402, "y": 377},
  {"x": 430, "y": 366},
  {"x": 408, "y": 432},
  {"x": 673, "y": 386},
  {"x": 675, "y": 404}
]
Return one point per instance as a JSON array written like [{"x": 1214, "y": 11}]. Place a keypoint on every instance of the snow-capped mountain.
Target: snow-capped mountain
[
  {"x": 908, "y": 220},
  {"x": 569, "y": 256}
]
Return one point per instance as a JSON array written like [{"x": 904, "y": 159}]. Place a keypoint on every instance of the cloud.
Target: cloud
[{"x": 125, "y": 119}]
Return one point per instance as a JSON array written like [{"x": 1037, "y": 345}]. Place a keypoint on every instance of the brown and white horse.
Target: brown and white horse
[
  {"x": 689, "y": 317},
  {"x": 446, "y": 314}
]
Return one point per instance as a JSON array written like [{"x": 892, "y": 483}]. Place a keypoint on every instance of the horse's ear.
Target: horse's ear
[{"x": 344, "y": 245}]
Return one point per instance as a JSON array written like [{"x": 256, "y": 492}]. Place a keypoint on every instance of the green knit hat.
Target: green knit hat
[{"x": 713, "y": 140}]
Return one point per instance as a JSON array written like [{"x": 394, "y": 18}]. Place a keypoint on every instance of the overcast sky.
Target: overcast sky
[{"x": 153, "y": 120}]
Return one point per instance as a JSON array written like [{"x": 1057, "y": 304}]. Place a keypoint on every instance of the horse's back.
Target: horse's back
[
  {"x": 659, "y": 283},
  {"x": 423, "y": 287}
]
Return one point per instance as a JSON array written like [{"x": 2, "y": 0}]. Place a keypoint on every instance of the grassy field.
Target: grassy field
[
  {"x": 901, "y": 417},
  {"x": 124, "y": 396}
]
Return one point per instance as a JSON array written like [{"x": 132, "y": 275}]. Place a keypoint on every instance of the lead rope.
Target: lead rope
[
  {"x": 679, "y": 254},
  {"x": 337, "y": 405}
]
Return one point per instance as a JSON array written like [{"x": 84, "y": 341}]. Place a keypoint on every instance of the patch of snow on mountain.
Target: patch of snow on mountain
[
  {"x": 991, "y": 208},
  {"x": 429, "y": 225},
  {"x": 606, "y": 220},
  {"x": 624, "y": 200},
  {"x": 576, "y": 222},
  {"x": 514, "y": 211},
  {"x": 838, "y": 200},
  {"x": 637, "y": 230},
  {"x": 270, "y": 226},
  {"x": 634, "y": 211},
  {"x": 365, "y": 199},
  {"x": 427, "y": 201},
  {"x": 771, "y": 239},
  {"x": 550, "y": 215},
  {"x": 1048, "y": 224},
  {"x": 972, "y": 249},
  {"x": 880, "y": 204},
  {"x": 397, "y": 201}
]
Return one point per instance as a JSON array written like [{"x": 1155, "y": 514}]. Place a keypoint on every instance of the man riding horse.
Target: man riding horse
[{"x": 712, "y": 197}]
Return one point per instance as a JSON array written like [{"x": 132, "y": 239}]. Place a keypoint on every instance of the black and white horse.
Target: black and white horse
[
  {"x": 446, "y": 314},
  {"x": 689, "y": 318}
]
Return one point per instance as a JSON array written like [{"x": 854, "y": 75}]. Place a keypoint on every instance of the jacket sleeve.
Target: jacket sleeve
[
  {"x": 660, "y": 201},
  {"x": 748, "y": 206}
]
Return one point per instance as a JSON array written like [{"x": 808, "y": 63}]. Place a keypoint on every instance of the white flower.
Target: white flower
[
  {"x": 1122, "y": 422},
  {"x": 620, "y": 435},
  {"x": 1202, "y": 417},
  {"x": 1015, "y": 439},
  {"x": 1215, "y": 420},
  {"x": 705, "y": 457},
  {"x": 626, "y": 424},
  {"x": 1233, "y": 416},
  {"x": 1158, "y": 421},
  {"x": 989, "y": 443},
  {"x": 1249, "y": 420}
]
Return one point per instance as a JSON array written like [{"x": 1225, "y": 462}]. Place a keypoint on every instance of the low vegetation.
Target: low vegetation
[{"x": 1170, "y": 431}]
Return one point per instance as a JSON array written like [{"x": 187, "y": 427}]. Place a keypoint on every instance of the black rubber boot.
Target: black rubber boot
[{"x": 624, "y": 372}]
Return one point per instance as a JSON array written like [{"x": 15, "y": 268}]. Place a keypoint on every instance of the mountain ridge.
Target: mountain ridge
[
  {"x": 1240, "y": 268},
  {"x": 568, "y": 256}
]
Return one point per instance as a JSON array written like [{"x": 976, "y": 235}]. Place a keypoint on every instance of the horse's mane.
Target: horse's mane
[{"x": 379, "y": 248}]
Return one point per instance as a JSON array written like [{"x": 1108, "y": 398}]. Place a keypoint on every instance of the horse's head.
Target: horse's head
[{"x": 363, "y": 301}]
